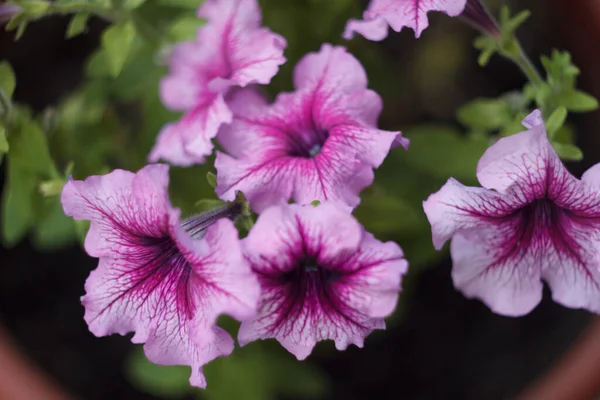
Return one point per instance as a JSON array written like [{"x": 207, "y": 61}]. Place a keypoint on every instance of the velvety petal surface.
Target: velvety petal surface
[
  {"x": 231, "y": 50},
  {"x": 398, "y": 14},
  {"x": 534, "y": 221},
  {"x": 322, "y": 278},
  {"x": 152, "y": 278},
  {"x": 318, "y": 143}
]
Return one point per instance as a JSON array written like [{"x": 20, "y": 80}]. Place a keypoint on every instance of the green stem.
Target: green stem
[{"x": 528, "y": 68}]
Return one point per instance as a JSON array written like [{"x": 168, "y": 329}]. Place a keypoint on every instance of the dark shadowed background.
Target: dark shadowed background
[{"x": 439, "y": 345}]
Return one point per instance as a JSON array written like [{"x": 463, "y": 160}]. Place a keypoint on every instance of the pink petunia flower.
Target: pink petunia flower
[
  {"x": 397, "y": 14},
  {"x": 320, "y": 142},
  {"x": 231, "y": 50},
  {"x": 322, "y": 277},
  {"x": 153, "y": 278},
  {"x": 531, "y": 221}
]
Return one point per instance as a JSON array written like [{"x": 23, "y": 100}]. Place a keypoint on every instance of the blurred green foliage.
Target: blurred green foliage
[{"x": 112, "y": 119}]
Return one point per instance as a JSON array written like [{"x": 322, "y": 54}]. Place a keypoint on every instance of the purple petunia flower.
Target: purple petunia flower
[
  {"x": 398, "y": 14},
  {"x": 320, "y": 142},
  {"x": 532, "y": 220},
  {"x": 322, "y": 277},
  {"x": 153, "y": 278},
  {"x": 231, "y": 50}
]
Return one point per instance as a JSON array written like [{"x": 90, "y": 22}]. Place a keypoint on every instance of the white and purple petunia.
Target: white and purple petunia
[
  {"x": 397, "y": 14},
  {"x": 320, "y": 142},
  {"x": 231, "y": 50},
  {"x": 322, "y": 277},
  {"x": 152, "y": 277},
  {"x": 531, "y": 221}
]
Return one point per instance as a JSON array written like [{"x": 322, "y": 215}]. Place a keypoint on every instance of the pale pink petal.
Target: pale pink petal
[
  {"x": 332, "y": 68},
  {"x": 191, "y": 68},
  {"x": 592, "y": 175},
  {"x": 314, "y": 144},
  {"x": 489, "y": 264},
  {"x": 237, "y": 14},
  {"x": 456, "y": 207},
  {"x": 251, "y": 54},
  {"x": 170, "y": 146},
  {"x": 325, "y": 278},
  {"x": 267, "y": 181},
  {"x": 376, "y": 279},
  {"x": 375, "y": 29},
  {"x": 527, "y": 158},
  {"x": 152, "y": 278},
  {"x": 237, "y": 137},
  {"x": 189, "y": 141},
  {"x": 147, "y": 209},
  {"x": 401, "y": 13}
]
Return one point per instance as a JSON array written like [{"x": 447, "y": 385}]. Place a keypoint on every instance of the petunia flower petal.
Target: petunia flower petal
[
  {"x": 324, "y": 278},
  {"x": 152, "y": 277},
  {"x": 231, "y": 50},
  {"x": 398, "y": 14},
  {"x": 317, "y": 143}
]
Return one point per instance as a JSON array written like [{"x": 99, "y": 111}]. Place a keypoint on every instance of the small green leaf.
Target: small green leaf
[
  {"x": 568, "y": 152},
  {"x": 442, "y": 151},
  {"x": 185, "y": 28},
  {"x": 172, "y": 381},
  {"x": 21, "y": 30},
  {"x": 77, "y": 25},
  {"x": 132, "y": 4},
  {"x": 17, "y": 205},
  {"x": 3, "y": 142},
  {"x": 556, "y": 121},
  {"x": 191, "y": 4},
  {"x": 486, "y": 114},
  {"x": 34, "y": 9},
  {"x": 211, "y": 179},
  {"x": 209, "y": 204},
  {"x": 315, "y": 203},
  {"x": 29, "y": 150},
  {"x": 7, "y": 79},
  {"x": 116, "y": 42},
  {"x": 53, "y": 229},
  {"x": 386, "y": 214},
  {"x": 577, "y": 101}
]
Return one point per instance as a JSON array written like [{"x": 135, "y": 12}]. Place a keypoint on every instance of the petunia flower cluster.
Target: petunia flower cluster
[
  {"x": 307, "y": 273},
  {"x": 303, "y": 273}
]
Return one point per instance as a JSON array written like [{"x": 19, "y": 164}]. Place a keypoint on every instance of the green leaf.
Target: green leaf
[
  {"x": 578, "y": 101},
  {"x": 556, "y": 121},
  {"x": 191, "y": 4},
  {"x": 172, "y": 381},
  {"x": 17, "y": 204},
  {"x": 3, "y": 142},
  {"x": 443, "y": 152},
  {"x": 255, "y": 372},
  {"x": 7, "y": 79},
  {"x": 53, "y": 229},
  {"x": 34, "y": 9},
  {"x": 77, "y": 25},
  {"x": 132, "y": 4},
  {"x": 116, "y": 43},
  {"x": 211, "y": 179},
  {"x": 568, "y": 152},
  {"x": 29, "y": 150},
  {"x": 185, "y": 28},
  {"x": 486, "y": 114},
  {"x": 209, "y": 204},
  {"x": 381, "y": 214}
]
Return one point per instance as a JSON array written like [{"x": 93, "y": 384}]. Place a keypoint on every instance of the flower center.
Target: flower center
[
  {"x": 307, "y": 145},
  {"x": 196, "y": 225}
]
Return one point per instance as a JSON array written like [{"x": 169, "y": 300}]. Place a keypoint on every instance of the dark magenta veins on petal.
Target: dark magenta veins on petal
[
  {"x": 158, "y": 266},
  {"x": 541, "y": 223}
]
